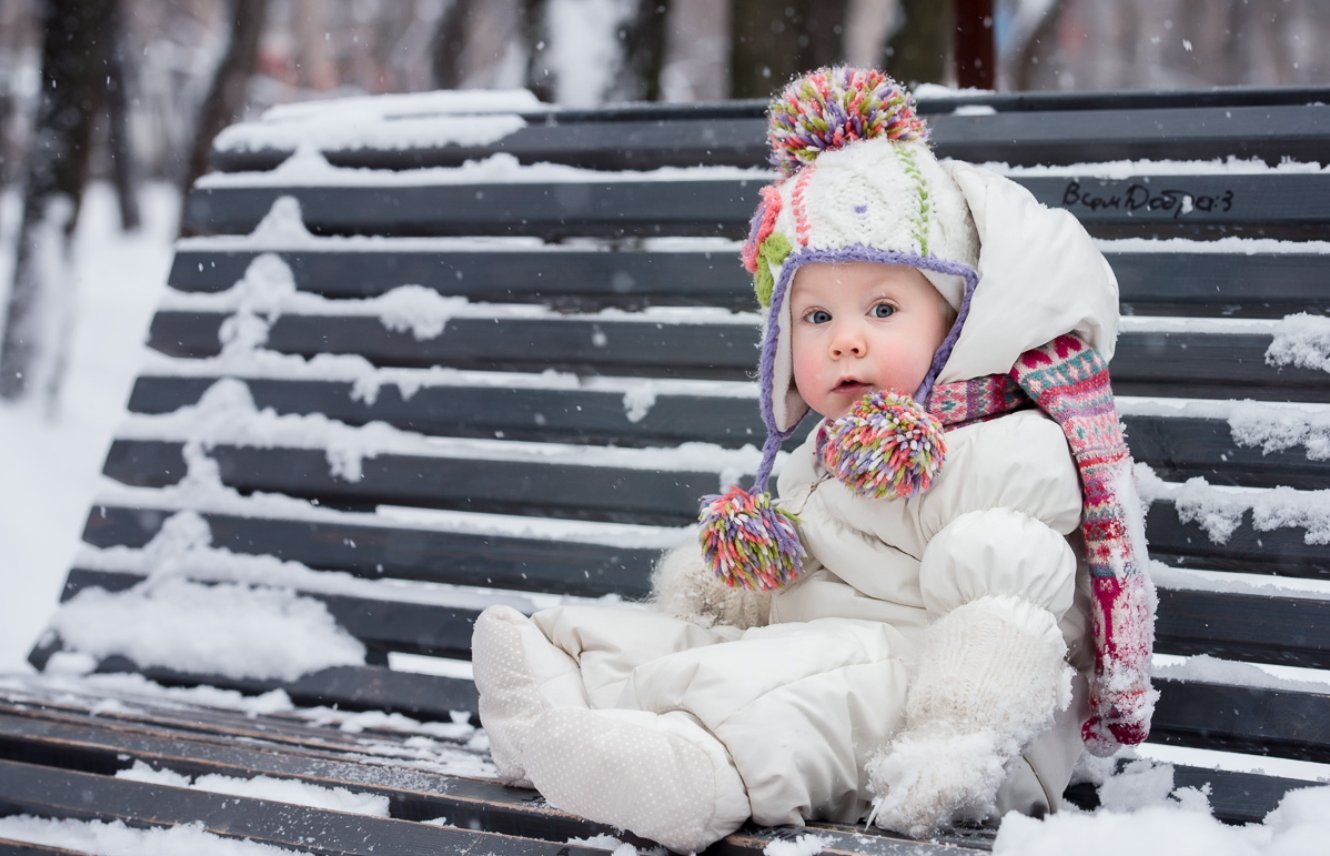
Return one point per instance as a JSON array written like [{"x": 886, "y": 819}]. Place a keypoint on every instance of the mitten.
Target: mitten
[
  {"x": 990, "y": 677},
  {"x": 683, "y": 585}
]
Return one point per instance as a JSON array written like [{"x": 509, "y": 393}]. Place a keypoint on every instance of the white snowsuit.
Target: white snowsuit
[{"x": 956, "y": 606}]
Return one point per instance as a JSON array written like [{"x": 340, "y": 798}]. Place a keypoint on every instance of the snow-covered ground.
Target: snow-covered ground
[
  {"x": 50, "y": 460},
  {"x": 49, "y": 465}
]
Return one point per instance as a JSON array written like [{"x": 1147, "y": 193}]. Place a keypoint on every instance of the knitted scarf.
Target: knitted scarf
[{"x": 1068, "y": 380}]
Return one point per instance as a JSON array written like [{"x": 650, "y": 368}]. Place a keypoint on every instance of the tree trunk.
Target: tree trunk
[
  {"x": 535, "y": 34},
  {"x": 450, "y": 42},
  {"x": 975, "y": 58},
  {"x": 771, "y": 43},
  {"x": 920, "y": 51},
  {"x": 230, "y": 84},
  {"x": 124, "y": 169},
  {"x": 643, "y": 46},
  {"x": 74, "y": 51}
]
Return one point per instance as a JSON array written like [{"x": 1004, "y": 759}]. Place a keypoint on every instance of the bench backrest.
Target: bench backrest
[{"x": 425, "y": 386}]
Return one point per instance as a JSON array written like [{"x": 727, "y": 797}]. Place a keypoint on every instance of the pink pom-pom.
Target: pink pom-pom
[
  {"x": 749, "y": 542},
  {"x": 887, "y": 445},
  {"x": 832, "y": 107}
]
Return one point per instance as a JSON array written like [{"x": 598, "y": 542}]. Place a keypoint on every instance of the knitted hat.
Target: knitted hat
[{"x": 858, "y": 184}]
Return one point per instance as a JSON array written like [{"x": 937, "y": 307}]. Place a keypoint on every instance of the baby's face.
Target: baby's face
[{"x": 860, "y": 326}]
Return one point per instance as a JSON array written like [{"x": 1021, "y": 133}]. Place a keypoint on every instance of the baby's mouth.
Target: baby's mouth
[{"x": 850, "y": 385}]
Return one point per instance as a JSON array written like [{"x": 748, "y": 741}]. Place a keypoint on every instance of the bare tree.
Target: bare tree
[
  {"x": 39, "y": 317},
  {"x": 920, "y": 50},
  {"x": 124, "y": 169},
  {"x": 230, "y": 83},
  {"x": 642, "y": 38},
  {"x": 768, "y": 49}
]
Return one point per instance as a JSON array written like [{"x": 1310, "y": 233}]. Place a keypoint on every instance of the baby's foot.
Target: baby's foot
[
  {"x": 662, "y": 777},
  {"x": 520, "y": 675}
]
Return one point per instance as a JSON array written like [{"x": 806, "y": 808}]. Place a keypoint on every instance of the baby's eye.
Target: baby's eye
[
  {"x": 817, "y": 316},
  {"x": 883, "y": 310}
]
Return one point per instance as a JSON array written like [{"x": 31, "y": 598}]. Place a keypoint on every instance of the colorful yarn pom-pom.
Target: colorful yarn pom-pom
[
  {"x": 887, "y": 445},
  {"x": 749, "y": 542},
  {"x": 831, "y": 107}
]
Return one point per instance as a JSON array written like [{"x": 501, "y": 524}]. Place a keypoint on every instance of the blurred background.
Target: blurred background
[{"x": 151, "y": 67}]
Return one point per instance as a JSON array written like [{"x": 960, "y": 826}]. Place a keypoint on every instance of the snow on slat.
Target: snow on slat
[
  {"x": 1251, "y": 443},
  {"x": 479, "y": 198},
  {"x": 1147, "y": 363}
]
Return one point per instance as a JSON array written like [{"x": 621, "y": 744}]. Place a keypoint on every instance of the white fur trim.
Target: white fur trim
[{"x": 685, "y": 587}]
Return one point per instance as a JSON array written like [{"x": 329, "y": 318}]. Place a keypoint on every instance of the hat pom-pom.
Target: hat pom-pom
[
  {"x": 831, "y": 107},
  {"x": 749, "y": 542},
  {"x": 887, "y": 445}
]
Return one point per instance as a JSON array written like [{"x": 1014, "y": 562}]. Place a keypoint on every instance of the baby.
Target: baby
[{"x": 948, "y": 602}]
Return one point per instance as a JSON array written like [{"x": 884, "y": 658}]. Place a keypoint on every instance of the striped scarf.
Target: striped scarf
[{"x": 1068, "y": 380}]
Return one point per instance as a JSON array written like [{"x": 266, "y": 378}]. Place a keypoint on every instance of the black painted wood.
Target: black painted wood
[
  {"x": 1266, "y": 285},
  {"x": 572, "y": 489},
  {"x": 1283, "y": 630},
  {"x": 1276, "y": 551},
  {"x": 54, "y": 731},
  {"x": 408, "y": 553},
  {"x": 32, "y": 789},
  {"x": 1178, "y": 448},
  {"x": 383, "y": 624},
  {"x": 1025, "y": 137},
  {"x": 1280, "y": 723},
  {"x": 1147, "y": 363},
  {"x": 1275, "y": 205}
]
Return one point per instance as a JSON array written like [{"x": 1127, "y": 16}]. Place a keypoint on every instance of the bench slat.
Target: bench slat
[
  {"x": 468, "y": 484},
  {"x": 1243, "y": 719},
  {"x": 1188, "y": 545},
  {"x": 456, "y": 558},
  {"x": 1259, "y": 285},
  {"x": 1211, "y": 365},
  {"x": 425, "y": 697},
  {"x": 1177, "y": 448},
  {"x": 47, "y": 792},
  {"x": 1281, "y": 630},
  {"x": 382, "y": 624},
  {"x": 1030, "y": 136},
  {"x": 577, "y": 491},
  {"x": 1273, "y": 205}
]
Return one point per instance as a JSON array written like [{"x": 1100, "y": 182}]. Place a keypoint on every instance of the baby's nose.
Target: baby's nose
[{"x": 847, "y": 344}]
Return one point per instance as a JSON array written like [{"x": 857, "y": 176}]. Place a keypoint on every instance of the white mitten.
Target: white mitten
[
  {"x": 990, "y": 678},
  {"x": 685, "y": 587}
]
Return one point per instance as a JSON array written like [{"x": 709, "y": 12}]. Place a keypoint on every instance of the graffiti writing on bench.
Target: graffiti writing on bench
[{"x": 1138, "y": 197}]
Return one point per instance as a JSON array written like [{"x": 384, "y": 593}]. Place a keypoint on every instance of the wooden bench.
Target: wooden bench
[{"x": 444, "y": 386}]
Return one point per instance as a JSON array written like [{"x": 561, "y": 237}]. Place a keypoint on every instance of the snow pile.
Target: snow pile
[
  {"x": 1181, "y": 824},
  {"x": 1278, "y": 427},
  {"x": 116, "y": 839},
  {"x": 308, "y": 168},
  {"x": 1301, "y": 340},
  {"x": 1220, "y": 510},
  {"x": 265, "y": 788},
  {"x": 421, "y": 310},
  {"x": 226, "y": 414},
  {"x": 638, "y": 401},
  {"x": 428, "y": 120},
  {"x": 614, "y": 846},
  {"x": 804, "y": 845},
  {"x": 226, "y": 629}
]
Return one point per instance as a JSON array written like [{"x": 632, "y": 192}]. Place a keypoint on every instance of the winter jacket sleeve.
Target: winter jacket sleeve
[
  {"x": 1000, "y": 530},
  {"x": 683, "y": 586}
]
